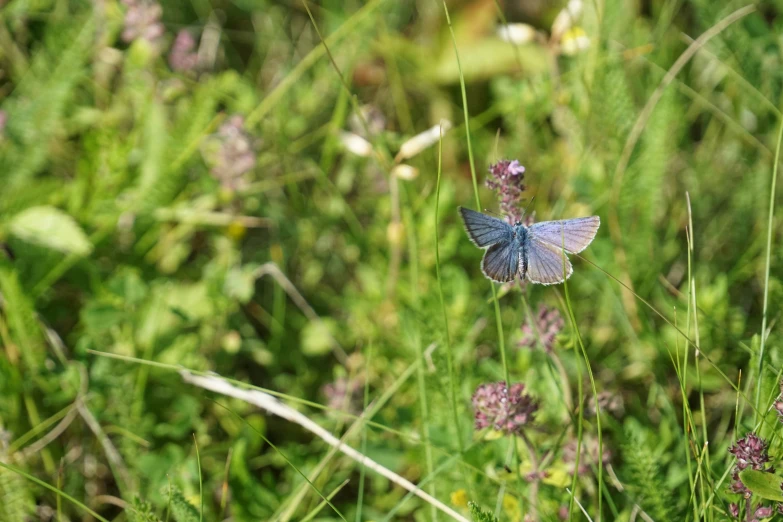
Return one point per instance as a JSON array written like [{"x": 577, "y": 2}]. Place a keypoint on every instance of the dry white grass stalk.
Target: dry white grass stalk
[{"x": 275, "y": 407}]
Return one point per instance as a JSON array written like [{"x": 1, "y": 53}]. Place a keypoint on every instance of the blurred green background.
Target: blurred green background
[{"x": 189, "y": 182}]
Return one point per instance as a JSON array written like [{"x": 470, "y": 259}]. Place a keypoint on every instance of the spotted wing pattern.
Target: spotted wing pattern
[{"x": 485, "y": 230}]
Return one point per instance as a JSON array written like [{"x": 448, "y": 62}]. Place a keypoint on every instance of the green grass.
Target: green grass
[{"x": 129, "y": 252}]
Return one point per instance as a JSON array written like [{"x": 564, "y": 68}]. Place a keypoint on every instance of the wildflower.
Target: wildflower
[
  {"x": 459, "y": 498},
  {"x": 606, "y": 401},
  {"x": 762, "y": 512},
  {"x": 588, "y": 455},
  {"x": 502, "y": 408},
  {"x": 779, "y": 403},
  {"x": 234, "y": 156},
  {"x": 751, "y": 452},
  {"x": 734, "y": 510},
  {"x": 344, "y": 394},
  {"x": 574, "y": 41},
  {"x": 423, "y": 140},
  {"x": 142, "y": 21},
  {"x": 517, "y": 34},
  {"x": 547, "y": 324},
  {"x": 507, "y": 180},
  {"x": 183, "y": 56}
]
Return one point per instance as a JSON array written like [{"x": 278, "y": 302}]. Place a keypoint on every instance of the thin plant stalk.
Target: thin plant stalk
[
  {"x": 449, "y": 347},
  {"x": 766, "y": 268},
  {"x": 498, "y": 319}
]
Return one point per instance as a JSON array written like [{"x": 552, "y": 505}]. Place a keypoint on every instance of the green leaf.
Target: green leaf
[
  {"x": 317, "y": 337},
  {"x": 479, "y": 515},
  {"x": 765, "y": 485},
  {"x": 51, "y": 228}
]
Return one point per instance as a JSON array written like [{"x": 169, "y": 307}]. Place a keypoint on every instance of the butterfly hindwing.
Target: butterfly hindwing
[
  {"x": 545, "y": 262},
  {"x": 501, "y": 261}
]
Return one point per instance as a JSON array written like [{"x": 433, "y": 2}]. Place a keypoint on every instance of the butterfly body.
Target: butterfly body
[{"x": 535, "y": 251}]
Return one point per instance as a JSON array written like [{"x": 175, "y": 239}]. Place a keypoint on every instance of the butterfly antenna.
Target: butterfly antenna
[
  {"x": 528, "y": 205},
  {"x": 488, "y": 211}
]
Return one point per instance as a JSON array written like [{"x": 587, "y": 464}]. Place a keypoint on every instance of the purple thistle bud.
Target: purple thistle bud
[
  {"x": 751, "y": 452},
  {"x": 142, "y": 21},
  {"x": 183, "y": 56},
  {"x": 506, "y": 180},
  {"x": 502, "y": 408},
  {"x": 548, "y": 323}
]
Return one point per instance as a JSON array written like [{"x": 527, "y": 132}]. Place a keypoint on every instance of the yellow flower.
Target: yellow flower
[
  {"x": 511, "y": 507},
  {"x": 574, "y": 41},
  {"x": 459, "y": 498}
]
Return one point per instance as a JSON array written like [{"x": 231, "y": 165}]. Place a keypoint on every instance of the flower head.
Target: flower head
[
  {"x": 142, "y": 21},
  {"x": 607, "y": 401},
  {"x": 751, "y": 452},
  {"x": 183, "y": 55},
  {"x": 547, "y": 324},
  {"x": 234, "y": 155},
  {"x": 588, "y": 455},
  {"x": 502, "y": 408},
  {"x": 507, "y": 178},
  {"x": 762, "y": 512},
  {"x": 344, "y": 394}
]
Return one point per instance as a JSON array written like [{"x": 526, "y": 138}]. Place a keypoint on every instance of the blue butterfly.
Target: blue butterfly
[{"x": 535, "y": 251}]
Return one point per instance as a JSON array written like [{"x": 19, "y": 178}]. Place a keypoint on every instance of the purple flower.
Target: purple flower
[
  {"x": 588, "y": 455},
  {"x": 762, "y": 512},
  {"x": 751, "y": 452},
  {"x": 548, "y": 323},
  {"x": 607, "y": 401},
  {"x": 142, "y": 21},
  {"x": 183, "y": 55},
  {"x": 502, "y": 408},
  {"x": 734, "y": 510},
  {"x": 344, "y": 394},
  {"x": 506, "y": 180},
  {"x": 234, "y": 156}
]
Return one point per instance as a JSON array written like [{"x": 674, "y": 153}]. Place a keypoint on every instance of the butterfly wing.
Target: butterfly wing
[
  {"x": 501, "y": 261},
  {"x": 545, "y": 262},
  {"x": 485, "y": 230},
  {"x": 573, "y": 234}
]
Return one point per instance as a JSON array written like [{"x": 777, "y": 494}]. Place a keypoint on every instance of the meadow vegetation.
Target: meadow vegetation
[{"x": 267, "y": 192}]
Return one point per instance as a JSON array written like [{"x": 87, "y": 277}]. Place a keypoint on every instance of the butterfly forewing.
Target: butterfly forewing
[
  {"x": 572, "y": 234},
  {"x": 501, "y": 262},
  {"x": 485, "y": 230},
  {"x": 545, "y": 263}
]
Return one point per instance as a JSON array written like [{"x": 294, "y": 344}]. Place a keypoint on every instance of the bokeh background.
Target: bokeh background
[{"x": 251, "y": 189}]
